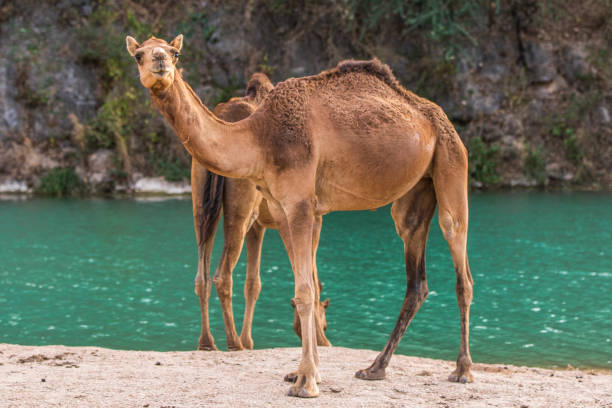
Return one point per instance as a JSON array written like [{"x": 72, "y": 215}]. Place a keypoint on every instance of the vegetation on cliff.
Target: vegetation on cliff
[{"x": 527, "y": 83}]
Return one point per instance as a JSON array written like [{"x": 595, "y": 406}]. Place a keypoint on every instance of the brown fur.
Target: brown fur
[
  {"x": 350, "y": 138},
  {"x": 216, "y": 198}
]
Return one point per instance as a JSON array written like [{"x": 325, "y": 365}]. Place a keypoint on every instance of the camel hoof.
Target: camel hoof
[
  {"x": 463, "y": 379},
  {"x": 324, "y": 342},
  {"x": 234, "y": 345},
  {"x": 291, "y": 377},
  {"x": 369, "y": 374},
  {"x": 207, "y": 347},
  {"x": 304, "y": 388},
  {"x": 302, "y": 393},
  {"x": 247, "y": 343}
]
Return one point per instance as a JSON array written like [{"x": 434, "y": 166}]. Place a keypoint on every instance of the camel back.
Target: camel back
[{"x": 446, "y": 130}]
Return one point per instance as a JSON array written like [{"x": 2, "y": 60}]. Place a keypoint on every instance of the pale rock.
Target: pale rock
[
  {"x": 13, "y": 186},
  {"x": 159, "y": 185}
]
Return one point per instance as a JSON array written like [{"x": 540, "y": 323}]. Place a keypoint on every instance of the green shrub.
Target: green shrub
[
  {"x": 172, "y": 170},
  {"x": 573, "y": 152},
  {"x": 436, "y": 78},
  {"x": 59, "y": 182},
  {"x": 535, "y": 165},
  {"x": 197, "y": 23},
  {"x": 483, "y": 161},
  {"x": 225, "y": 93},
  {"x": 446, "y": 22}
]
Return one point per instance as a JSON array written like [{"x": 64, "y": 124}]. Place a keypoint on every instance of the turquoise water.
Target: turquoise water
[{"x": 119, "y": 274}]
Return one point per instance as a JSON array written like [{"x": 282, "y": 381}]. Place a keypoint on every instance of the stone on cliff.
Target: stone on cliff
[
  {"x": 555, "y": 171},
  {"x": 573, "y": 62},
  {"x": 540, "y": 62},
  {"x": 14, "y": 186},
  {"x": 99, "y": 175}
]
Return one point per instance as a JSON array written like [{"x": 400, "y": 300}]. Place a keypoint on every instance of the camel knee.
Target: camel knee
[
  {"x": 252, "y": 287},
  {"x": 223, "y": 286},
  {"x": 202, "y": 286},
  {"x": 418, "y": 291},
  {"x": 454, "y": 230},
  {"x": 198, "y": 286},
  {"x": 448, "y": 225},
  {"x": 304, "y": 298},
  {"x": 465, "y": 291}
]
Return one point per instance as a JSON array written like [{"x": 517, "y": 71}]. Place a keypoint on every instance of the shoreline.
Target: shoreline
[
  {"x": 95, "y": 376},
  {"x": 159, "y": 187},
  {"x": 568, "y": 367}
]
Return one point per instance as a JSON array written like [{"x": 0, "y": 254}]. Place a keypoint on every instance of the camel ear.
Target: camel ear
[
  {"x": 131, "y": 45},
  {"x": 325, "y": 303},
  {"x": 293, "y": 303},
  {"x": 177, "y": 42}
]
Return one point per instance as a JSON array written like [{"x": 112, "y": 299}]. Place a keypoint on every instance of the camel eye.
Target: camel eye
[
  {"x": 176, "y": 55},
  {"x": 138, "y": 57}
]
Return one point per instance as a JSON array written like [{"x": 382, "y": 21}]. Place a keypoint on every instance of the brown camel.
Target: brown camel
[
  {"x": 245, "y": 213},
  {"x": 350, "y": 138}
]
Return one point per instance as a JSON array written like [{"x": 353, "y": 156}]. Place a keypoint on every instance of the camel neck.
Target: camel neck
[{"x": 224, "y": 148}]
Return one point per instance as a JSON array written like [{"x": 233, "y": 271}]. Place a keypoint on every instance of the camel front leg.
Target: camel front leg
[
  {"x": 319, "y": 306},
  {"x": 296, "y": 229},
  {"x": 252, "y": 284}
]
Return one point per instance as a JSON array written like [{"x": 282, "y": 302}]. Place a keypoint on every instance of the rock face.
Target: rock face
[
  {"x": 100, "y": 165},
  {"x": 540, "y": 62},
  {"x": 529, "y": 82}
]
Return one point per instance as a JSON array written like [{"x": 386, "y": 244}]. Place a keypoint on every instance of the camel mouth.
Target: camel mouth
[{"x": 161, "y": 73}]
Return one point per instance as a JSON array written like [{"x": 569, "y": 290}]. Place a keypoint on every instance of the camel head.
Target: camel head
[
  {"x": 156, "y": 60},
  {"x": 320, "y": 316}
]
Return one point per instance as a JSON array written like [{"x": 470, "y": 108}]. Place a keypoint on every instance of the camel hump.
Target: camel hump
[
  {"x": 373, "y": 66},
  {"x": 234, "y": 110},
  {"x": 259, "y": 86}
]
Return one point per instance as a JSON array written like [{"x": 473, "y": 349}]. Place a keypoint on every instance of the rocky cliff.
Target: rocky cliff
[{"x": 526, "y": 82}]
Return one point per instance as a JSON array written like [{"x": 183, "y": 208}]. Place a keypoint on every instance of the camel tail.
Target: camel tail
[{"x": 212, "y": 201}]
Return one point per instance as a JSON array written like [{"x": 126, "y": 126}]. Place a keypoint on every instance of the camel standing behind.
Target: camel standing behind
[
  {"x": 350, "y": 138},
  {"x": 245, "y": 213}
]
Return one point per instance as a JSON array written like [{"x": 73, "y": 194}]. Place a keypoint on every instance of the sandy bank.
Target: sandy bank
[{"x": 92, "y": 376}]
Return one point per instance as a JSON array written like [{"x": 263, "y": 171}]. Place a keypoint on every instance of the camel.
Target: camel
[
  {"x": 245, "y": 213},
  {"x": 350, "y": 138}
]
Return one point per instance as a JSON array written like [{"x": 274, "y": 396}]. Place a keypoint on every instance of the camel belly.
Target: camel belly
[
  {"x": 371, "y": 155},
  {"x": 371, "y": 176}
]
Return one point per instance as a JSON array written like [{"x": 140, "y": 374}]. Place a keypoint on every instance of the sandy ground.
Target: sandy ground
[{"x": 58, "y": 376}]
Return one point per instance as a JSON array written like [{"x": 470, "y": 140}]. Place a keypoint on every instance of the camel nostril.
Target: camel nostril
[{"x": 159, "y": 57}]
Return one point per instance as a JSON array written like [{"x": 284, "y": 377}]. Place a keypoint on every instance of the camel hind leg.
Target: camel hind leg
[
  {"x": 450, "y": 176},
  {"x": 239, "y": 202},
  {"x": 252, "y": 283},
  {"x": 203, "y": 282},
  {"x": 412, "y": 214}
]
